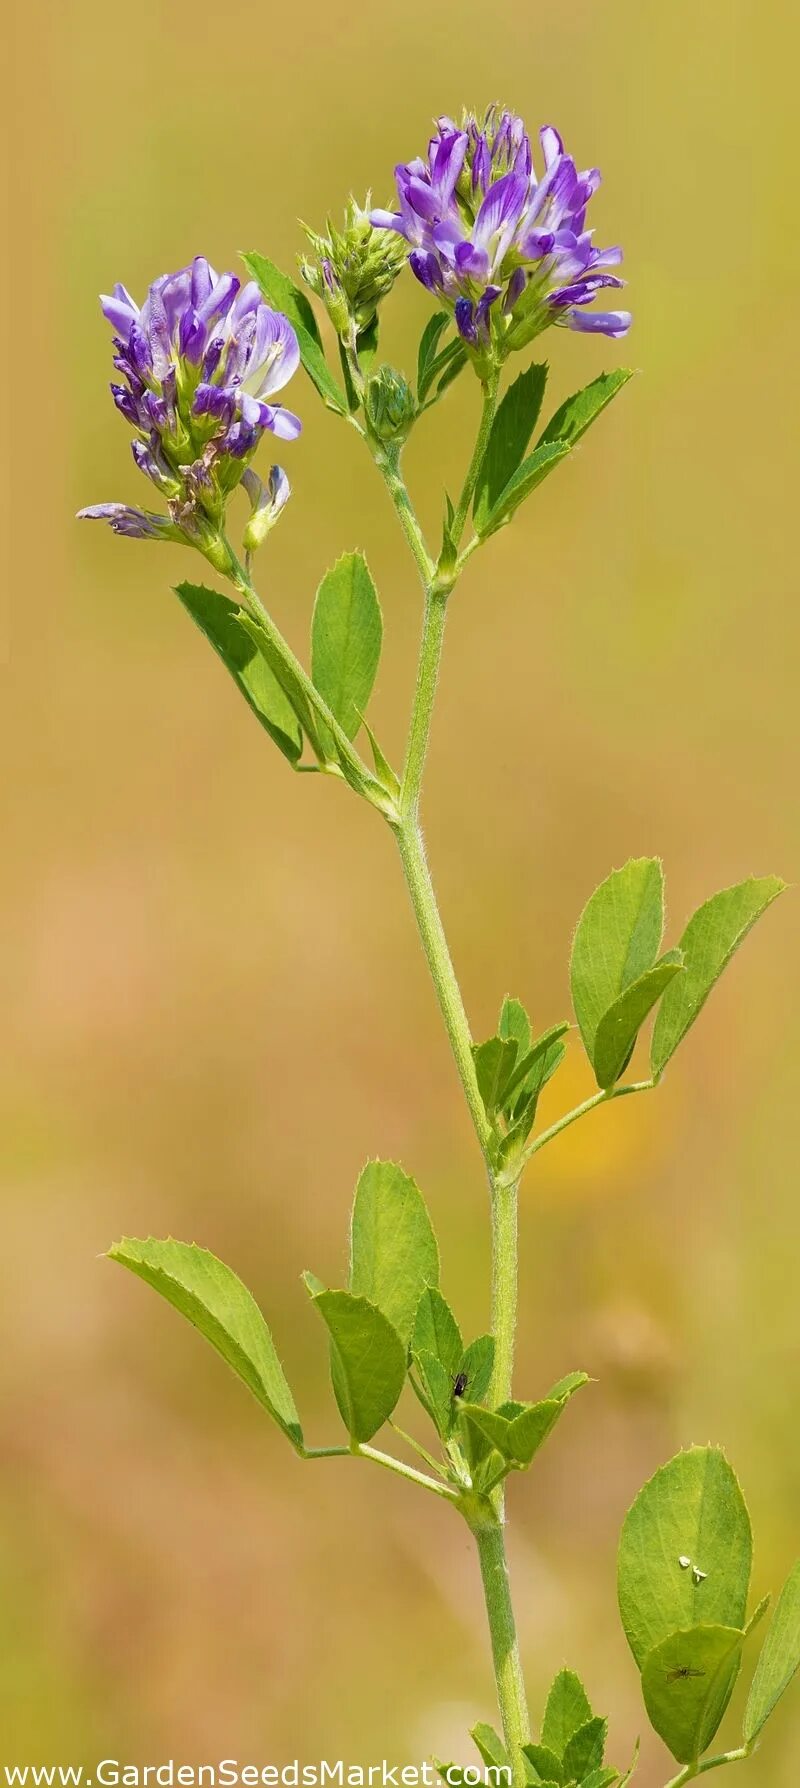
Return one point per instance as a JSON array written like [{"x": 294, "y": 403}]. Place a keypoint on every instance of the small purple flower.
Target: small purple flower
[
  {"x": 200, "y": 363},
  {"x": 138, "y": 524},
  {"x": 508, "y": 250}
]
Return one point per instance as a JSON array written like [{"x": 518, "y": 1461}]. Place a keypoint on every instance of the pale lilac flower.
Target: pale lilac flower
[{"x": 507, "y": 249}]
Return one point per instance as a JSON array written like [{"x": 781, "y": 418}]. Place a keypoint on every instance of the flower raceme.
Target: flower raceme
[
  {"x": 199, "y": 362},
  {"x": 506, "y": 249}
]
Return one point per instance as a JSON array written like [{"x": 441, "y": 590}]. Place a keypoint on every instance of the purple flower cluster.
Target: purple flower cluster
[
  {"x": 198, "y": 364},
  {"x": 508, "y": 250}
]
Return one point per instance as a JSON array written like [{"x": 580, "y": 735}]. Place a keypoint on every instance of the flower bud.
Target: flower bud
[
  {"x": 268, "y": 501},
  {"x": 389, "y": 405},
  {"x": 352, "y": 269}
]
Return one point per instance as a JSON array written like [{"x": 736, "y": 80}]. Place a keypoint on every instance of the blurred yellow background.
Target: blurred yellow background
[{"x": 218, "y": 1008}]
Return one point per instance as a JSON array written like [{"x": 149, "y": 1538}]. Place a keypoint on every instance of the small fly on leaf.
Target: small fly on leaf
[
  {"x": 460, "y": 1384},
  {"x": 682, "y": 1673}
]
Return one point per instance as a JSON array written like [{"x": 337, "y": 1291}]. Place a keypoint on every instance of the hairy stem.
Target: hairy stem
[
  {"x": 489, "y": 1536},
  {"x": 571, "y": 1117},
  {"x": 490, "y": 391},
  {"x": 693, "y": 1770},
  {"x": 505, "y": 1647},
  {"x": 505, "y": 1275},
  {"x": 407, "y": 1471}
]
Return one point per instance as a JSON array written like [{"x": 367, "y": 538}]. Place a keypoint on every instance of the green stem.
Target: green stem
[
  {"x": 443, "y": 975},
  {"x": 407, "y": 1471},
  {"x": 489, "y": 1536},
  {"x": 387, "y": 460},
  {"x": 693, "y": 1770},
  {"x": 389, "y": 1464},
  {"x": 504, "y": 1287},
  {"x": 490, "y": 391},
  {"x": 505, "y": 1646},
  {"x": 603, "y": 1098}
]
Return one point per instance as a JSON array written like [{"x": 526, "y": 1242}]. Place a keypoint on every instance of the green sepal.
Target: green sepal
[
  {"x": 212, "y": 1297},
  {"x": 687, "y": 1682},
  {"x": 281, "y": 294},
  {"x": 224, "y": 626}
]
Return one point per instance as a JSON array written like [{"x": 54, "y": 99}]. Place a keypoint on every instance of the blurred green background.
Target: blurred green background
[{"x": 218, "y": 1008}]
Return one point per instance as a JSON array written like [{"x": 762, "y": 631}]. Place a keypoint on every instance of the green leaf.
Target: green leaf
[
  {"x": 426, "y": 354},
  {"x": 708, "y": 943},
  {"x": 514, "y": 1022},
  {"x": 584, "y": 1752},
  {"x": 494, "y": 1064},
  {"x": 477, "y": 1366},
  {"x": 437, "y": 1332},
  {"x": 690, "y": 1519},
  {"x": 288, "y": 681},
  {"x": 220, "y": 620},
  {"x": 619, "y": 1027},
  {"x": 282, "y": 295},
  {"x": 582, "y": 409},
  {"x": 512, "y": 428},
  {"x": 779, "y": 1660},
  {"x": 434, "y": 1387},
  {"x": 532, "y": 1071},
  {"x": 616, "y": 940},
  {"x": 490, "y": 1745},
  {"x": 602, "y": 1778},
  {"x": 387, "y": 777},
  {"x": 368, "y": 1361},
  {"x": 531, "y": 473},
  {"x": 567, "y": 1710},
  {"x": 439, "y": 368},
  {"x": 346, "y": 634},
  {"x": 687, "y": 1682},
  {"x": 393, "y": 1249},
  {"x": 518, "y": 1430},
  {"x": 211, "y": 1297},
  {"x": 546, "y": 1765}
]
